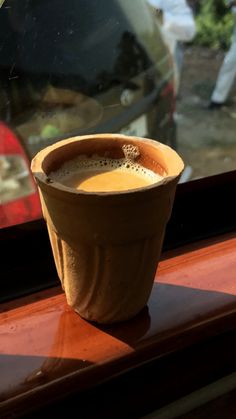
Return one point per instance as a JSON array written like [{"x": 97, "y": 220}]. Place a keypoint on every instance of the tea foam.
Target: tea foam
[{"x": 97, "y": 164}]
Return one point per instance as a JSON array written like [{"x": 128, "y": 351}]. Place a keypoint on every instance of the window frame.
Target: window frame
[{"x": 202, "y": 209}]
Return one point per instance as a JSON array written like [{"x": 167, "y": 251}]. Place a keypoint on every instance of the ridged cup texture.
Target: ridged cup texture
[{"x": 106, "y": 246}]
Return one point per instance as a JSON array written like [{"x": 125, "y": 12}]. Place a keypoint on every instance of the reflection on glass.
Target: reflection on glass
[{"x": 75, "y": 67}]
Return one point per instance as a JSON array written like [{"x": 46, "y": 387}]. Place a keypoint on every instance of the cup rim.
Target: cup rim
[{"x": 43, "y": 179}]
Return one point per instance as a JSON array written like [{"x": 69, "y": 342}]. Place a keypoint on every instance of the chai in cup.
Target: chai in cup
[
  {"x": 106, "y": 199},
  {"x": 105, "y": 175}
]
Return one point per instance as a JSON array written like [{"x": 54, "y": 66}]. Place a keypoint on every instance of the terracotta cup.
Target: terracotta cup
[{"x": 107, "y": 245}]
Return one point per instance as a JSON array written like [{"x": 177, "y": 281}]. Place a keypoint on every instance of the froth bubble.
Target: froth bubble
[{"x": 131, "y": 152}]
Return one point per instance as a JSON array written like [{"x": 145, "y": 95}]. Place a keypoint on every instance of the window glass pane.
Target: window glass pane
[
  {"x": 139, "y": 67},
  {"x": 74, "y": 67}
]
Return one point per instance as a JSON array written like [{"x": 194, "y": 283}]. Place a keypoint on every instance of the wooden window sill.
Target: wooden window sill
[{"x": 47, "y": 350}]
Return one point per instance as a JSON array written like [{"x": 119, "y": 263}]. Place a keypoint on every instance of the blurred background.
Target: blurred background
[
  {"x": 206, "y": 136},
  {"x": 150, "y": 68}
]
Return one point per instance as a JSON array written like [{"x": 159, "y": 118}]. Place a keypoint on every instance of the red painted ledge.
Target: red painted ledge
[{"x": 47, "y": 349}]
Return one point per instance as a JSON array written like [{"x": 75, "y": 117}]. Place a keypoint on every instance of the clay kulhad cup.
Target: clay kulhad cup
[{"x": 107, "y": 245}]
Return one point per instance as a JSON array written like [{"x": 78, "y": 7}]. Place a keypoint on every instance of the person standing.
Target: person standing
[
  {"x": 227, "y": 71},
  {"x": 178, "y": 26}
]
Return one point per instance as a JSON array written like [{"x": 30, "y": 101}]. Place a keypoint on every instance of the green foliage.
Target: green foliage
[{"x": 214, "y": 24}]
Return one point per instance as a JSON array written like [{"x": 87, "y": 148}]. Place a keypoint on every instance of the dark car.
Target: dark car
[{"x": 74, "y": 67}]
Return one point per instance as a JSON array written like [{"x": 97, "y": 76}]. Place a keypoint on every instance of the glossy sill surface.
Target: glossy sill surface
[{"x": 45, "y": 347}]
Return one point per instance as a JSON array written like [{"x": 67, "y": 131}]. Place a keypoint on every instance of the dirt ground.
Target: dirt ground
[{"x": 206, "y": 138}]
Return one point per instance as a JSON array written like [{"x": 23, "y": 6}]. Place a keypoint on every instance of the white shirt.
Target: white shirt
[{"x": 178, "y": 20}]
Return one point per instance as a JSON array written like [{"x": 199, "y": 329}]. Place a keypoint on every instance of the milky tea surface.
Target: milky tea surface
[{"x": 104, "y": 174}]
